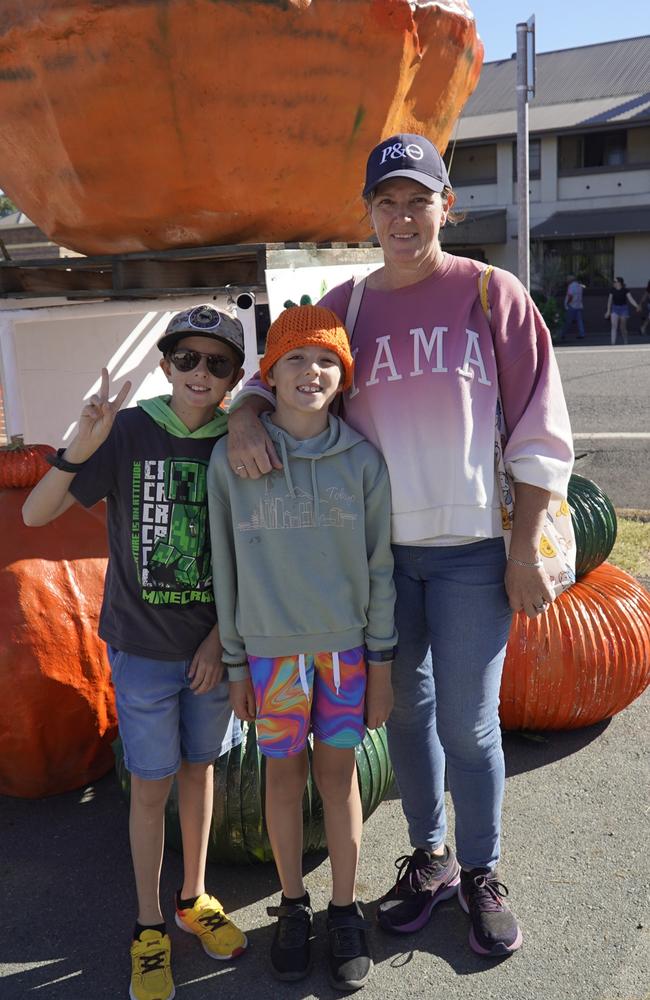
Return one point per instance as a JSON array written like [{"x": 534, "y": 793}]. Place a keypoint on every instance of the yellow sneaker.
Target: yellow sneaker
[
  {"x": 151, "y": 974},
  {"x": 218, "y": 935}
]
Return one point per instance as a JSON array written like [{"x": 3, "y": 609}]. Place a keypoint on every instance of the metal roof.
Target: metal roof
[
  {"x": 580, "y": 87},
  {"x": 594, "y": 222},
  {"x": 477, "y": 229},
  {"x": 15, "y": 219}
]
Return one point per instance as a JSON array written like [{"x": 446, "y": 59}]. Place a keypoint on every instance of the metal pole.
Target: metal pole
[
  {"x": 246, "y": 316},
  {"x": 523, "y": 227}
]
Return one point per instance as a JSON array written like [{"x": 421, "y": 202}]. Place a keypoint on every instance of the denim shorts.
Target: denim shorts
[{"x": 162, "y": 721}]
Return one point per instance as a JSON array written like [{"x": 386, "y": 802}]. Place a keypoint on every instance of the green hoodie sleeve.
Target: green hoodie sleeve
[
  {"x": 224, "y": 568},
  {"x": 380, "y": 630}
]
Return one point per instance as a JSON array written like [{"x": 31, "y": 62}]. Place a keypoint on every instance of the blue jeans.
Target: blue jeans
[
  {"x": 571, "y": 315},
  {"x": 453, "y": 621}
]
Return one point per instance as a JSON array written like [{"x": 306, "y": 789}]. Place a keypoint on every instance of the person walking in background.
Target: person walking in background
[
  {"x": 644, "y": 306},
  {"x": 429, "y": 368},
  {"x": 573, "y": 308},
  {"x": 618, "y": 309}
]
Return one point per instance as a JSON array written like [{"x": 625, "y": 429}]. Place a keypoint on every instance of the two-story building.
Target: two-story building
[{"x": 589, "y": 154}]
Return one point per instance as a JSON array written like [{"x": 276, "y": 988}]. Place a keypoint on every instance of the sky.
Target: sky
[{"x": 558, "y": 24}]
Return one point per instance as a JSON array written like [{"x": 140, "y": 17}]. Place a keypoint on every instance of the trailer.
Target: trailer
[{"x": 63, "y": 319}]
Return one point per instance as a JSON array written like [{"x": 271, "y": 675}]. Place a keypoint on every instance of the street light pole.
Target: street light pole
[{"x": 525, "y": 87}]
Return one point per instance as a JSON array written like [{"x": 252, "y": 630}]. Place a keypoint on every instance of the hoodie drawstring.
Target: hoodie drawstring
[
  {"x": 302, "y": 673},
  {"x": 337, "y": 671},
  {"x": 314, "y": 488},
  {"x": 285, "y": 465},
  {"x": 289, "y": 481}
]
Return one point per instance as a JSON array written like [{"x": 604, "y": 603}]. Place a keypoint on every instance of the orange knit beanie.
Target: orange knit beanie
[{"x": 302, "y": 325}]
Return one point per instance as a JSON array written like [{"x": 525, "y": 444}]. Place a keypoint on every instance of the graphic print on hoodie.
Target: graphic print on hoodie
[{"x": 305, "y": 563}]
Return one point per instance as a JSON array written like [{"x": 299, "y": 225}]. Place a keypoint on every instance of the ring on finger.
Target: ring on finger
[{"x": 240, "y": 468}]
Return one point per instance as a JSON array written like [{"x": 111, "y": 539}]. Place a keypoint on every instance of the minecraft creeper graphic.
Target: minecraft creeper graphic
[{"x": 180, "y": 558}]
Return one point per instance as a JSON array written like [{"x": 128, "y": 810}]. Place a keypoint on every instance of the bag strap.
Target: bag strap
[
  {"x": 501, "y": 476},
  {"x": 483, "y": 282},
  {"x": 358, "y": 288}
]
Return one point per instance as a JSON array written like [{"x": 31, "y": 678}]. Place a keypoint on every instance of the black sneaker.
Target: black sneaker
[
  {"x": 349, "y": 958},
  {"x": 423, "y": 880},
  {"x": 291, "y": 947},
  {"x": 494, "y": 930}
]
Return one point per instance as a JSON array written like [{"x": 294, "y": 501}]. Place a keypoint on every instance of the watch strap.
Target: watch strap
[
  {"x": 57, "y": 460},
  {"x": 380, "y": 655}
]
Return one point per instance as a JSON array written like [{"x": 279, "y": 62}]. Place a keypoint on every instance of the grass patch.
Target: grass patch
[{"x": 631, "y": 551}]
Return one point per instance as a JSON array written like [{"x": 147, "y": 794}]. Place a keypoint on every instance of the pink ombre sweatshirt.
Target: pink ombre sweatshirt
[{"x": 425, "y": 393}]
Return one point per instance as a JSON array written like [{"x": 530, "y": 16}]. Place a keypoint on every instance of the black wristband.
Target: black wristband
[
  {"x": 380, "y": 655},
  {"x": 59, "y": 462}
]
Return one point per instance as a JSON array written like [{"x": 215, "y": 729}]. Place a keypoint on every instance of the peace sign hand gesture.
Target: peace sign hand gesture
[{"x": 96, "y": 420}]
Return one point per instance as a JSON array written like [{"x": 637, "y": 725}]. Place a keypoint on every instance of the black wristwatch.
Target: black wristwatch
[
  {"x": 59, "y": 462},
  {"x": 380, "y": 655}
]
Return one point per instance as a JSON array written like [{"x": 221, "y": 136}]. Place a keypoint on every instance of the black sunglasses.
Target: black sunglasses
[{"x": 185, "y": 361}]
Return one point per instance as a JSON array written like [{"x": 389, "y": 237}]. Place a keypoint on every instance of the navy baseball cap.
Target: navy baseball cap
[
  {"x": 204, "y": 321},
  {"x": 406, "y": 155}
]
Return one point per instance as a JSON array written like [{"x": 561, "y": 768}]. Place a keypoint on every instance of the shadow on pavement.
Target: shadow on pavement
[{"x": 525, "y": 751}]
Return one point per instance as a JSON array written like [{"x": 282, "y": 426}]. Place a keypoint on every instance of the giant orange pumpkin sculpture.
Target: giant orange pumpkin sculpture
[
  {"x": 127, "y": 126},
  {"x": 586, "y": 658},
  {"x": 57, "y": 716}
]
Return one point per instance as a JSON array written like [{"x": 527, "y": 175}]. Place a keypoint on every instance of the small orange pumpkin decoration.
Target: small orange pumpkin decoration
[
  {"x": 131, "y": 126},
  {"x": 586, "y": 658},
  {"x": 57, "y": 714},
  {"x": 23, "y": 464}
]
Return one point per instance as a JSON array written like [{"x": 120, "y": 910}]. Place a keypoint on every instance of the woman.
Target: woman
[
  {"x": 618, "y": 309},
  {"x": 427, "y": 373},
  {"x": 644, "y": 307}
]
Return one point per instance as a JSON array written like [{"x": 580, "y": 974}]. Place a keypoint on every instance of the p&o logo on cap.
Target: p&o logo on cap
[
  {"x": 204, "y": 318},
  {"x": 397, "y": 151}
]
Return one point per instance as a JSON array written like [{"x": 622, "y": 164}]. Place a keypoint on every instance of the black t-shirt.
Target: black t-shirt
[
  {"x": 619, "y": 296},
  {"x": 158, "y": 598}
]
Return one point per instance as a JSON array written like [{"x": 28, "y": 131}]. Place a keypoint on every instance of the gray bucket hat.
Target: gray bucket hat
[{"x": 204, "y": 321}]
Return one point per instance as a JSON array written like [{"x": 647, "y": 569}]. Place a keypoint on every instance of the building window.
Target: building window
[
  {"x": 534, "y": 160},
  {"x": 592, "y": 151},
  {"x": 472, "y": 164},
  {"x": 591, "y": 260}
]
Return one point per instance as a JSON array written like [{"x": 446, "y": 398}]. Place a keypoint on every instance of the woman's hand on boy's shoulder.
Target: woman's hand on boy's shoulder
[
  {"x": 206, "y": 668},
  {"x": 379, "y": 695},
  {"x": 242, "y": 699}
]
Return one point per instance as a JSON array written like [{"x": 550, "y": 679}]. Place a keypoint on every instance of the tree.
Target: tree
[{"x": 6, "y": 205}]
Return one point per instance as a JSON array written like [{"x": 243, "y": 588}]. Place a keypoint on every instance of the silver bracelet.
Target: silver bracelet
[{"x": 519, "y": 562}]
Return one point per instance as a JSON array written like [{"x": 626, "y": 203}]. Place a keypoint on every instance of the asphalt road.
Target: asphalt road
[
  {"x": 576, "y": 859},
  {"x": 608, "y": 395},
  {"x": 576, "y": 849}
]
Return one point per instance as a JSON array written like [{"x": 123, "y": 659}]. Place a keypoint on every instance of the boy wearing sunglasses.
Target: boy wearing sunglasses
[
  {"x": 305, "y": 597},
  {"x": 158, "y": 616}
]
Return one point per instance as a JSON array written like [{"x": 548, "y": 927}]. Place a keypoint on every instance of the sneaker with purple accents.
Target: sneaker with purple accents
[
  {"x": 423, "y": 880},
  {"x": 494, "y": 931}
]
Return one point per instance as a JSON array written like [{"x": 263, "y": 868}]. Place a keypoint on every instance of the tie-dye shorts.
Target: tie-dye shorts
[{"x": 324, "y": 692}]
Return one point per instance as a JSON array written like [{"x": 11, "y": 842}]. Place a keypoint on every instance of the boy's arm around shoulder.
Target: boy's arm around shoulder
[
  {"x": 381, "y": 636},
  {"x": 224, "y": 565}
]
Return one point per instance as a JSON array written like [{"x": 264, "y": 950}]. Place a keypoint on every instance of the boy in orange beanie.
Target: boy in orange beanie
[{"x": 305, "y": 602}]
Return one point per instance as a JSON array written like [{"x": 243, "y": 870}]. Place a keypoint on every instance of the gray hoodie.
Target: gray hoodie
[{"x": 302, "y": 561}]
